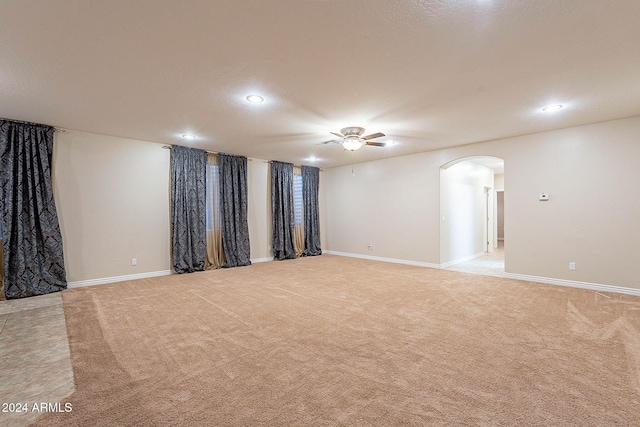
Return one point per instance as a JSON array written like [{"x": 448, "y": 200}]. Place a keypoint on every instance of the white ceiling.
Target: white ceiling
[{"x": 429, "y": 74}]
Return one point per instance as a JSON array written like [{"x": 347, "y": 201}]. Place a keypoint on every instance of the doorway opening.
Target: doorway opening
[{"x": 471, "y": 223}]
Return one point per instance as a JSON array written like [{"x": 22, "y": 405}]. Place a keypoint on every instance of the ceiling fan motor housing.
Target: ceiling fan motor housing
[{"x": 352, "y": 131}]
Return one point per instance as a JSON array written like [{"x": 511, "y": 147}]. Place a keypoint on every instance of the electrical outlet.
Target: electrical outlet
[
  {"x": 370, "y": 246},
  {"x": 572, "y": 266},
  {"x": 134, "y": 261}
]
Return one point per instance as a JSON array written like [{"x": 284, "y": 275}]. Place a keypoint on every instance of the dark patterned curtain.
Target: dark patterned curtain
[
  {"x": 32, "y": 242},
  {"x": 310, "y": 183},
  {"x": 188, "y": 209},
  {"x": 282, "y": 210},
  {"x": 233, "y": 200},
  {"x": 1, "y": 265}
]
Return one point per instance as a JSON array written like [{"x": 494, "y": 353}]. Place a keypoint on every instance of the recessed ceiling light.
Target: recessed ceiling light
[
  {"x": 256, "y": 99},
  {"x": 188, "y": 136},
  {"x": 552, "y": 108},
  {"x": 312, "y": 158}
]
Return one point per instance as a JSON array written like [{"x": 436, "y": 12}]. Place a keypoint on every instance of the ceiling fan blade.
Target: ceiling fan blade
[
  {"x": 376, "y": 144},
  {"x": 373, "y": 135},
  {"x": 333, "y": 141},
  {"x": 339, "y": 135}
]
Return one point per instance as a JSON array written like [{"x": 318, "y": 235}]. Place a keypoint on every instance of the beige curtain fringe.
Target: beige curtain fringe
[
  {"x": 298, "y": 229},
  {"x": 215, "y": 249}
]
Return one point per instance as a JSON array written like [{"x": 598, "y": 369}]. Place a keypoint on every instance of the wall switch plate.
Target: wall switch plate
[
  {"x": 572, "y": 266},
  {"x": 134, "y": 261}
]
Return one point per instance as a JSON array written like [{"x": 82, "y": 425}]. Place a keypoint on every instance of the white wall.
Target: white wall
[{"x": 589, "y": 171}]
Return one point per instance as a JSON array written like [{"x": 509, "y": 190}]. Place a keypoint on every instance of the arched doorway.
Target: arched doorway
[{"x": 469, "y": 190}]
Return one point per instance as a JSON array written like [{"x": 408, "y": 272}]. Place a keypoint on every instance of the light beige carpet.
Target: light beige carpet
[{"x": 329, "y": 341}]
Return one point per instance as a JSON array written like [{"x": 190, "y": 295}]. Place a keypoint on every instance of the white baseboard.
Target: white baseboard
[
  {"x": 548, "y": 280},
  {"x": 407, "y": 262},
  {"x": 378, "y": 258},
  {"x": 461, "y": 260},
  {"x": 114, "y": 279},
  {"x": 575, "y": 284}
]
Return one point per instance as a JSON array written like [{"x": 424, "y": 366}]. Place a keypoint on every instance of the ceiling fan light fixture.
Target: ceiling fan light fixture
[
  {"x": 352, "y": 144},
  {"x": 351, "y": 138}
]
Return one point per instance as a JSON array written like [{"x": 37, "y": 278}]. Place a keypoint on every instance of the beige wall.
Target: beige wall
[
  {"x": 112, "y": 196},
  {"x": 391, "y": 204},
  {"x": 589, "y": 171},
  {"x": 500, "y": 214},
  {"x": 259, "y": 208},
  {"x": 113, "y": 201}
]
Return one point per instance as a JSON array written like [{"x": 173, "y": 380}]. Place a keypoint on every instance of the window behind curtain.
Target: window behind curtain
[
  {"x": 297, "y": 199},
  {"x": 213, "y": 196},
  {"x": 215, "y": 251}
]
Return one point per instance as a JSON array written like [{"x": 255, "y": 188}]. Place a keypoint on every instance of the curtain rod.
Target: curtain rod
[
  {"x": 55, "y": 129},
  {"x": 168, "y": 147},
  {"x": 271, "y": 161}
]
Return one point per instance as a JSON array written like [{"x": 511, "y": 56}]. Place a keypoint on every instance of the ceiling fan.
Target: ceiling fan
[{"x": 351, "y": 139}]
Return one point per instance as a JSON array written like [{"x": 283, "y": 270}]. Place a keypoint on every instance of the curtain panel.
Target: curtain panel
[
  {"x": 1, "y": 263},
  {"x": 234, "y": 220},
  {"x": 32, "y": 241},
  {"x": 1, "y": 270},
  {"x": 188, "y": 209},
  {"x": 282, "y": 210},
  {"x": 310, "y": 186}
]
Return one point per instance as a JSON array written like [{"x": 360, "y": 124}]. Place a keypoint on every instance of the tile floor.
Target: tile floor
[
  {"x": 491, "y": 264},
  {"x": 35, "y": 363}
]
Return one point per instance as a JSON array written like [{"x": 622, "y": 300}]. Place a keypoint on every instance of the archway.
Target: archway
[{"x": 468, "y": 208}]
